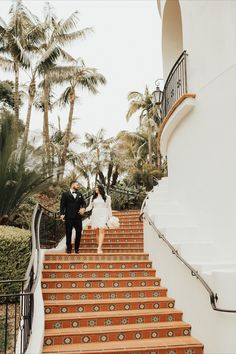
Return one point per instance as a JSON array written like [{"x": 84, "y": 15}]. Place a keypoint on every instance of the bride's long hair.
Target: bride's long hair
[{"x": 101, "y": 191}]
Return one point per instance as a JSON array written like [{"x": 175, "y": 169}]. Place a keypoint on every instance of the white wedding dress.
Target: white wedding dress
[{"x": 101, "y": 212}]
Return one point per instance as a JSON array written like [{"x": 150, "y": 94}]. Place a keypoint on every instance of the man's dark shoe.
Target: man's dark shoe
[
  {"x": 76, "y": 251},
  {"x": 68, "y": 251}
]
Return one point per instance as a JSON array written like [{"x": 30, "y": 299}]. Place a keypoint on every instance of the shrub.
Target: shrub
[{"x": 15, "y": 250}]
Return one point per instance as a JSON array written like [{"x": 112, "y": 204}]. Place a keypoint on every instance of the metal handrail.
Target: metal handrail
[
  {"x": 175, "y": 85},
  {"x": 213, "y": 296}
]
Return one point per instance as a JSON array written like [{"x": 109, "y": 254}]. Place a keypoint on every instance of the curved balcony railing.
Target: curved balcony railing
[{"x": 175, "y": 85}]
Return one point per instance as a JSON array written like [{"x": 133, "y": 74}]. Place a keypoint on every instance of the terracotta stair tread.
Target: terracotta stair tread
[
  {"x": 103, "y": 301},
  {"x": 103, "y": 290},
  {"x": 107, "y": 314},
  {"x": 122, "y": 346},
  {"x": 111, "y": 302},
  {"x": 101, "y": 329},
  {"x": 61, "y": 271}
]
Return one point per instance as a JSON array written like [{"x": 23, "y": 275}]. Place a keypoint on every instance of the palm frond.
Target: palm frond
[
  {"x": 6, "y": 64},
  {"x": 134, "y": 107},
  {"x": 134, "y": 95},
  {"x": 64, "y": 38}
]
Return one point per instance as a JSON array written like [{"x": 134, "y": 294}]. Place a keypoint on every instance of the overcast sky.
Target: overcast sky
[{"x": 125, "y": 47}]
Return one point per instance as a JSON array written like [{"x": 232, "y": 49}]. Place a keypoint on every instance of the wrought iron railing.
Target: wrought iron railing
[
  {"x": 175, "y": 85},
  {"x": 213, "y": 296},
  {"x": 131, "y": 198},
  {"x": 17, "y": 309}
]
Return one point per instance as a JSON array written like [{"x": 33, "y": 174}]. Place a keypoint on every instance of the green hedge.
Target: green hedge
[{"x": 15, "y": 251}]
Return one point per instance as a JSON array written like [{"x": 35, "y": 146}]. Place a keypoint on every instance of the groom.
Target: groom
[{"x": 71, "y": 210}]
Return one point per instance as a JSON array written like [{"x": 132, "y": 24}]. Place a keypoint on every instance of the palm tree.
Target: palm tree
[
  {"x": 76, "y": 77},
  {"x": 16, "y": 39},
  {"x": 96, "y": 143},
  {"x": 18, "y": 178},
  {"x": 144, "y": 104},
  {"x": 57, "y": 34}
]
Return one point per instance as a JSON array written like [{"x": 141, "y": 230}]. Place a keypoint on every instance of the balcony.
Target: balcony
[{"x": 176, "y": 101}]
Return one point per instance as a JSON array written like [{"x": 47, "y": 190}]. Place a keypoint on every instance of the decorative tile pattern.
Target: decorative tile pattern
[
  {"x": 67, "y": 340},
  {"x": 86, "y": 339},
  {"x": 57, "y": 325},
  {"x": 138, "y": 335},
  {"x": 170, "y": 333},
  {"x": 64, "y": 309},
  {"x": 155, "y": 319},
  {"x": 140, "y": 320},
  {"x": 103, "y": 338},
  {"x": 186, "y": 332},
  {"x": 92, "y": 323},
  {"x": 80, "y": 309},
  {"x": 121, "y": 337},
  {"x": 48, "y": 341},
  {"x": 96, "y": 308},
  {"x": 75, "y": 324}
]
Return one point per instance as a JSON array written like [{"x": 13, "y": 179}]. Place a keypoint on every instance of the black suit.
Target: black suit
[{"x": 70, "y": 207}]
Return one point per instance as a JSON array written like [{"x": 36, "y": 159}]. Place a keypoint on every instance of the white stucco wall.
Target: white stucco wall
[{"x": 202, "y": 150}]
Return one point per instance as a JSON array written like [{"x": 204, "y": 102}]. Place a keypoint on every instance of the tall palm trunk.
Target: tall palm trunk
[
  {"x": 68, "y": 130},
  {"x": 46, "y": 138},
  {"x": 31, "y": 91},
  {"x": 16, "y": 103}
]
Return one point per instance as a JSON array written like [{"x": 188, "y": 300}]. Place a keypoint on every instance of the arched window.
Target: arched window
[{"x": 172, "y": 35}]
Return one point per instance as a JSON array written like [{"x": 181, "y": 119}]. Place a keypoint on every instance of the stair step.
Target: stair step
[
  {"x": 92, "y": 319},
  {"x": 113, "y": 333},
  {"x": 62, "y": 256},
  {"x": 101, "y": 283},
  {"x": 107, "y": 293},
  {"x": 107, "y": 305},
  {"x": 112, "y": 302},
  {"x": 98, "y": 273},
  {"x": 178, "y": 345},
  {"x": 97, "y": 265}
]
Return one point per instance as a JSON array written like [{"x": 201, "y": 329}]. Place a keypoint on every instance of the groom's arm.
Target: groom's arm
[{"x": 82, "y": 205}]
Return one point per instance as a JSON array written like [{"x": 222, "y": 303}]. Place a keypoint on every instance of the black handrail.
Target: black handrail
[
  {"x": 24, "y": 315},
  {"x": 213, "y": 296},
  {"x": 176, "y": 84}
]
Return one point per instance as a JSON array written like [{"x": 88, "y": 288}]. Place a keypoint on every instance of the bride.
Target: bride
[{"x": 100, "y": 203}]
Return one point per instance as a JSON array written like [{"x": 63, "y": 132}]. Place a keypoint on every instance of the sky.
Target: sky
[{"x": 125, "y": 47}]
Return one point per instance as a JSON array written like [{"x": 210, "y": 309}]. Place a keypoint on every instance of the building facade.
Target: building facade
[{"x": 195, "y": 206}]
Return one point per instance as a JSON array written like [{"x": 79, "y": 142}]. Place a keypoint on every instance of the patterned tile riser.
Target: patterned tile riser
[
  {"x": 85, "y": 307},
  {"x": 109, "y": 336},
  {"x": 114, "y": 240},
  {"x": 87, "y": 265},
  {"x": 105, "y": 257},
  {"x": 111, "y": 245},
  {"x": 109, "y": 273},
  {"x": 114, "y": 320},
  {"x": 112, "y": 250},
  {"x": 102, "y": 283},
  {"x": 104, "y": 295}
]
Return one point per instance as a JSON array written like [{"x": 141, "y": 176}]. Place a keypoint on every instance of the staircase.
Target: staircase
[{"x": 111, "y": 302}]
